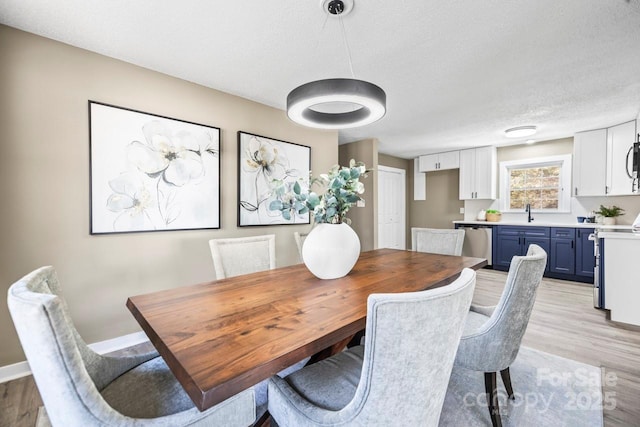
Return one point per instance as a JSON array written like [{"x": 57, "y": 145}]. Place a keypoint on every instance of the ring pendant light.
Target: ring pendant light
[{"x": 337, "y": 103}]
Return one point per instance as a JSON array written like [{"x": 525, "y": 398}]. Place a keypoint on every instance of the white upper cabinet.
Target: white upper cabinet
[
  {"x": 619, "y": 140},
  {"x": 589, "y": 165},
  {"x": 478, "y": 170},
  {"x": 428, "y": 163},
  {"x": 439, "y": 161},
  {"x": 449, "y": 160}
]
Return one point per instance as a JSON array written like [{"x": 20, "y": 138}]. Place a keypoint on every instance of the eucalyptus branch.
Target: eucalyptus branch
[{"x": 342, "y": 189}]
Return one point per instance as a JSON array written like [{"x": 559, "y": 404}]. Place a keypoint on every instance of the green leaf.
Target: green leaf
[
  {"x": 313, "y": 200},
  {"x": 275, "y": 205},
  {"x": 286, "y": 215},
  {"x": 355, "y": 173},
  {"x": 296, "y": 188}
]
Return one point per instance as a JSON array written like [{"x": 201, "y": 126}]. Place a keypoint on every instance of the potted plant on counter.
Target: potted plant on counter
[
  {"x": 332, "y": 247},
  {"x": 493, "y": 215},
  {"x": 609, "y": 214}
]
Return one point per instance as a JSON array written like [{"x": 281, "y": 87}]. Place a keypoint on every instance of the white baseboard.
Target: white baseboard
[
  {"x": 12, "y": 372},
  {"x": 118, "y": 343},
  {"x": 21, "y": 369}
]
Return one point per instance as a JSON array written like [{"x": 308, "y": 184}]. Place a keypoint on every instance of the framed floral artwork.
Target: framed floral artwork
[
  {"x": 151, "y": 173},
  {"x": 271, "y": 173}
]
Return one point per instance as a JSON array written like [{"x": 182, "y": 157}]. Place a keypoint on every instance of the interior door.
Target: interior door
[{"x": 391, "y": 208}]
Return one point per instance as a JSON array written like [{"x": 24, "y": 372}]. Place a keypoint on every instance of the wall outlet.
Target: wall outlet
[
  {"x": 461, "y": 210},
  {"x": 360, "y": 204}
]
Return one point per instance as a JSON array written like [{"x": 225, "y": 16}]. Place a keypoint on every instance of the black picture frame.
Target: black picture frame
[
  {"x": 268, "y": 167},
  {"x": 150, "y": 172}
]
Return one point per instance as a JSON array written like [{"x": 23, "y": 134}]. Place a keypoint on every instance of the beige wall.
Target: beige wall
[
  {"x": 441, "y": 206},
  {"x": 393, "y": 162},
  {"x": 44, "y": 181},
  {"x": 556, "y": 147},
  {"x": 398, "y": 163},
  {"x": 363, "y": 219}
]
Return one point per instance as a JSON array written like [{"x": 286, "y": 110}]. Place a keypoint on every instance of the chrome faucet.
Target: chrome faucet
[{"x": 527, "y": 209}]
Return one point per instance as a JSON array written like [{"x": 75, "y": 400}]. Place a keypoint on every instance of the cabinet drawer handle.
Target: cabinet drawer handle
[{"x": 572, "y": 244}]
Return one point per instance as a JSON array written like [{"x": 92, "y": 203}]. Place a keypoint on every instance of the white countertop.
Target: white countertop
[
  {"x": 549, "y": 224},
  {"x": 619, "y": 234}
]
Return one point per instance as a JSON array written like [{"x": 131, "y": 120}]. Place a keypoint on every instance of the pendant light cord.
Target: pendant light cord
[{"x": 346, "y": 45}]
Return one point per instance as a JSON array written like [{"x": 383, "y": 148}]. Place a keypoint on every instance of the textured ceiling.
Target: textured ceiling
[{"x": 457, "y": 73}]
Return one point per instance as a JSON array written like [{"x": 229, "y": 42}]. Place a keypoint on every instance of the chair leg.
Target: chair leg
[
  {"x": 491, "y": 388},
  {"x": 506, "y": 380}
]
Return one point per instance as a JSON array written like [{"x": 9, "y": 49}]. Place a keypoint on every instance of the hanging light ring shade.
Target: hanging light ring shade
[{"x": 321, "y": 104}]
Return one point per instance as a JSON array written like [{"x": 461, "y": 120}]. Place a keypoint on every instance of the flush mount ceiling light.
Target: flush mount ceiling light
[
  {"x": 520, "y": 131},
  {"x": 337, "y": 103}
]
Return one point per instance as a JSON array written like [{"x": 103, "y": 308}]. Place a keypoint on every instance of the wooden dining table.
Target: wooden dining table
[{"x": 221, "y": 337}]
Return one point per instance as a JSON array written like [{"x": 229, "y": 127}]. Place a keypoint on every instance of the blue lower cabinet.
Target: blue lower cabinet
[
  {"x": 569, "y": 250},
  {"x": 543, "y": 242},
  {"x": 562, "y": 256},
  {"x": 563, "y": 250},
  {"x": 514, "y": 241},
  {"x": 585, "y": 260},
  {"x": 507, "y": 248}
]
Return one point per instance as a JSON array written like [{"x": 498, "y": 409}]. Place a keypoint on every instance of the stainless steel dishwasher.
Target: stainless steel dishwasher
[{"x": 478, "y": 241}]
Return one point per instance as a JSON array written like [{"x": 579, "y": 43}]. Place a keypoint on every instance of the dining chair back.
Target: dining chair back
[
  {"x": 437, "y": 241},
  {"x": 492, "y": 335},
  {"x": 399, "y": 376},
  {"x": 243, "y": 255},
  {"x": 82, "y": 388},
  {"x": 299, "y": 238}
]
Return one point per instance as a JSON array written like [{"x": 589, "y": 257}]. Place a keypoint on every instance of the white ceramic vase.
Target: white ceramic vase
[
  {"x": 331, "y": 250},
  {"x": 609, "y": 220}
]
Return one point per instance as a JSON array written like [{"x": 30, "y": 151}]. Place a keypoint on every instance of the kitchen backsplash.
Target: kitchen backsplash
[{"x": 579, "y": 207}]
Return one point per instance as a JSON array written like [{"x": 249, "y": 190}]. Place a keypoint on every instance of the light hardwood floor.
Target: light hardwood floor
[{"x": 563, "y": 322}]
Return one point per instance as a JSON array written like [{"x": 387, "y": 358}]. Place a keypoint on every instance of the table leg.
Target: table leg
[{"x": 263, "y": 421}]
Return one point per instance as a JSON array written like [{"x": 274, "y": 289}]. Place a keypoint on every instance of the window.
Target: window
[{"x": 538, "y": 182}]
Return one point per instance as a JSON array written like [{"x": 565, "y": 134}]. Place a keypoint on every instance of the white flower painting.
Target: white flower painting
[
  {"x": 269, "y": 169},
  {"x": 152, "y": 173}
]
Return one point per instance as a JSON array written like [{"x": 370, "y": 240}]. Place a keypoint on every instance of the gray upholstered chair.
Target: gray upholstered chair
[
  {"x": 436, "y": 241},
  {"x": 243, "y": 255},
  {"x": 394, "y": 379},
  {"x": 82, "y": 388},
  {"x": 492, "y": 335},
  {"x": 299, "y": 238}
]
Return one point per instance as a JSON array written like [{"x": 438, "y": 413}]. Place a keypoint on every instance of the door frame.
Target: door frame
[{"x": 403, "y": 215}]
